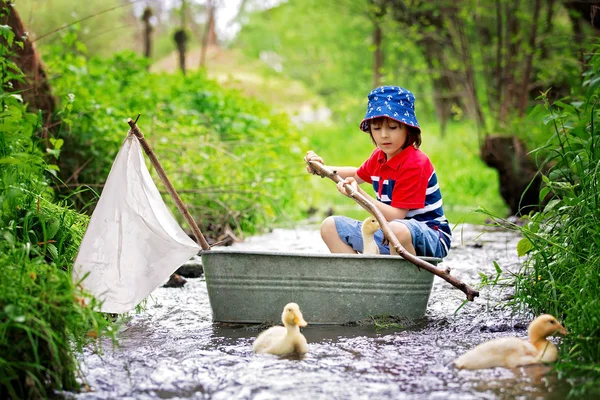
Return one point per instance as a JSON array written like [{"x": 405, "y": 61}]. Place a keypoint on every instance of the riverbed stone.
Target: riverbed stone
[{"x": 192, "y": 268}]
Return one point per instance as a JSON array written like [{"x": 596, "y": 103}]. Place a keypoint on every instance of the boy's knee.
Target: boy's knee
[
  {"x": 401, "y": 231},
  {"x": 328, "y": 226}
]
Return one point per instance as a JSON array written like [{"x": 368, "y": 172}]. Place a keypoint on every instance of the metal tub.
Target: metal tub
[{"x": 253, "y": 286}]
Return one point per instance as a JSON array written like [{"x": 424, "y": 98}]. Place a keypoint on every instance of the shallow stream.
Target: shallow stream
[{"x": 173, "y": 350}]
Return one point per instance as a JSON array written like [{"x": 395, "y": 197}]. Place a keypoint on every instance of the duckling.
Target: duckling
[
  {"x": 514, "y": 352},
  {"x": 368, "y": 229},
  {"x": 287, "y": 339}
]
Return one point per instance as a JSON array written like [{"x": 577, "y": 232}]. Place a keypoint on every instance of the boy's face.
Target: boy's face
[{"x": 389, "y": 135}]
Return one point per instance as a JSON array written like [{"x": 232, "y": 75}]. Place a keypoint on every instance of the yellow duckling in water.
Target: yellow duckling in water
[
  {"x": 513, "y": 352},
  {"x": 286, "y": 339},
  {"x": 368, "y": 229}
]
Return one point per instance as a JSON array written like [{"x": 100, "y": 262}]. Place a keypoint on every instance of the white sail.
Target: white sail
[{"x": 132, "y": 243}]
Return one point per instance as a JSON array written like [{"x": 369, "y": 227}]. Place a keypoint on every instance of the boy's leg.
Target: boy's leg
[
  {"x": 332, "y": 238},
  {"x": 418, "y": 238},
  {"x": 404, "y": 236}
]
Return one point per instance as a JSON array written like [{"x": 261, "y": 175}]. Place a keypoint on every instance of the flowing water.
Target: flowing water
[{"x": 172, "y": 349}]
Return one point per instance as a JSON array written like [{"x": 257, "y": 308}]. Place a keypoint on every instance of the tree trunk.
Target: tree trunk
[
  {"x": 181, "y": 40},
  {"x": 529, "y": 59},
  {"x": 510, "y": 54},
  {"x": 147, "y": 32},
  {"x": 520, "y": 182},
  {"x": 468, "y": 71},
  {"x": 210, "y": 37},
  {"x": 378, "y": 54},
  {"x": 445, "y": 91},
  {"x": 35, "y": 89},
  {"x": 547, "y": 28},
  {"x": 499, "y": 90}
]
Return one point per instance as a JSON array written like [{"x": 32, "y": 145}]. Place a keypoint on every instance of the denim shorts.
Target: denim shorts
[{"x": 425, "y": 240}]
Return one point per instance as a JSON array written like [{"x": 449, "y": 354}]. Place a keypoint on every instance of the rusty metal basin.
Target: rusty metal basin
[{"x": 253, "y": 286}]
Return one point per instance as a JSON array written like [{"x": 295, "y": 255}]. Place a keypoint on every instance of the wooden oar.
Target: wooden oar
[{"x": 367, "y": 204}]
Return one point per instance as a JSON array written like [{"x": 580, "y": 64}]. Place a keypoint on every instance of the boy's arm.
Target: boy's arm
[
  {"x": 343, "y": 172},
  {"x": 391, "y": 213},
  {"x": 347, "y": 172}
]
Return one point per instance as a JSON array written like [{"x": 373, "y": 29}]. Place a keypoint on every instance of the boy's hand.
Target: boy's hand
[
  {"x": 312, "y": 156},
  {"x": 353, "y": 184}
]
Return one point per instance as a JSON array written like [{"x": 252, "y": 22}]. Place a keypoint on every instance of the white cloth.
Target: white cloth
[{"x": 132, "y": 243}]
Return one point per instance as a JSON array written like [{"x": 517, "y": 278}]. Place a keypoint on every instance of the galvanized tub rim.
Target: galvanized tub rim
[{"x": 433, "y": 260}]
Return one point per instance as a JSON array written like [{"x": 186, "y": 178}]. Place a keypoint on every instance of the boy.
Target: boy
[{"x": 402, "y": 176}]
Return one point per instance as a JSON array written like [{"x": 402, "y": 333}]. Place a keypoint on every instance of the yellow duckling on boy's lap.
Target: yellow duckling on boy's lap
[
  {"x": 286, "y": 339},
  {"x": 514, "y": 352},
  {"x": 368, "y": 229}
]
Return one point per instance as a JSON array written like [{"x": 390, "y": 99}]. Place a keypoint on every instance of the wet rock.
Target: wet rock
[
  {"x": 311, "y": 211},
  {"x": 175, "y": 281},
  {"x": 476, "y": 245},
  {"x": 192, "y": 268},
  {"x": 520, "y": 181},
  {"x": 503, "y": 327}
]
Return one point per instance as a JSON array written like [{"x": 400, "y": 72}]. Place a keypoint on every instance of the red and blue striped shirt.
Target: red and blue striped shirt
[{"x": 408, "y": 180}]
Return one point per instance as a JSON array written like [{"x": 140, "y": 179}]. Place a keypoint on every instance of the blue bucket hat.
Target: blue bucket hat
[{"x": 393, "y": 102}]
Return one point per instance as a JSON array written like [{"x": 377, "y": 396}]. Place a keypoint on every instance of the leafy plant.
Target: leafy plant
[
  {"x": 562, "y": 242},
  {"x": 44, "y": 316},
  {"x": 229, "y": 156}
]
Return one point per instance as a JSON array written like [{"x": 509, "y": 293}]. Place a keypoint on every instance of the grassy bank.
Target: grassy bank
[
  {"x": 561, "y": 244},
  {"x": 44, "y": 317}
]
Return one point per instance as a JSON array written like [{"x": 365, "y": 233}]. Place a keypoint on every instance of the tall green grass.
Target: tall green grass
[
  {"x": 44, "y": 316},
  {"x": 561, "y": 244}
]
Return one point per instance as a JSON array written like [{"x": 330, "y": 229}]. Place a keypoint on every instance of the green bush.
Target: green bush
[
  {"x": 562, "y": 242},
  {"x": 44, "y": 317},
  {"x": 228, "y": 156}
]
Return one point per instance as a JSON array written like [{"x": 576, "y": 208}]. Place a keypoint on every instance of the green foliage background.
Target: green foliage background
[
  {"x": 231, "y": 157},
  {"x": 105, "y": 23}
]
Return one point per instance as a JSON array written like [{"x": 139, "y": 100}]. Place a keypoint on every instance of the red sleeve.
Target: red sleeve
[
  {"x": 411, "y": 186},
  {"x": 365, "y": 171}
]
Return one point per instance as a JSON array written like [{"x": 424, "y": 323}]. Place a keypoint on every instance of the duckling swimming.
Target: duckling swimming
[
  {"x": 286, "y": 339},
  {"x": 368, "y": 229},
  {"x": 513, "y": 352}
]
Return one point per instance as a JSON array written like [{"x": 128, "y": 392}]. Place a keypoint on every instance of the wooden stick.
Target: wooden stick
[
  {"x": 367, "y": 203},
  {"x": 163, "y": 176}
]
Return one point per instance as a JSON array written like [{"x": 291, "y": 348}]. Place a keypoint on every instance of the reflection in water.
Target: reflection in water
[{"x": 173, "y": 350}]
